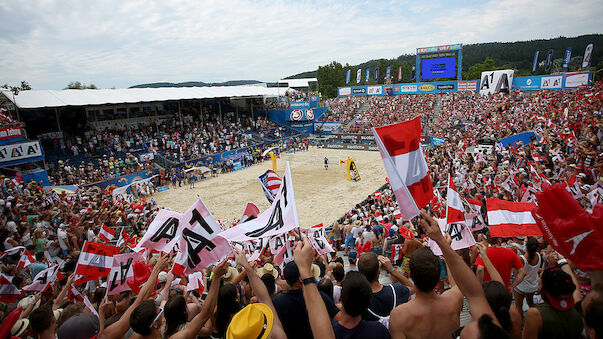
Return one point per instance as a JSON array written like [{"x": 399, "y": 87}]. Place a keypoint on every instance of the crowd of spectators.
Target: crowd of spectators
[{"x": 343, "y": 294}]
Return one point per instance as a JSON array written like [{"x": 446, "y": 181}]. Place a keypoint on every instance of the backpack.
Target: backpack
[{"x": 384, "y": 320}]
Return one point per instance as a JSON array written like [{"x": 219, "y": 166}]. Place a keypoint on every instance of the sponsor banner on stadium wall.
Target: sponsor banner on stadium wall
[
  {"x": 358, "y": 91},
  {"x": 20, "y": 153},
  {"x": 467, "y": 86},
  {"x": 352, "y": 147},
  {"x": 374, "y": 90},
  {"x": 299, "y": 104},
  {"x": 354, "y": 137},
  {"x": 307, "y": 127},
  {"x": 551, "y": 82},
  {"x": 527, "y": 83},
  {"x": 496, "y": 81},
  {"x": 121, "y": 181},
  {"x": 327, "y": 127},
  {"x": 10, "y": 134},
  {"x": 576, "y": 80},
  {"x": 344, "y": 91}
]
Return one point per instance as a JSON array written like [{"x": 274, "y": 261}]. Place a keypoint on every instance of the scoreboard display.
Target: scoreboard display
[{"x": 440, "y": 63}]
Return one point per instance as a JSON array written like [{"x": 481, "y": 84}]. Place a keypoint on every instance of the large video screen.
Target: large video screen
[{"x": 438, "y": 68}]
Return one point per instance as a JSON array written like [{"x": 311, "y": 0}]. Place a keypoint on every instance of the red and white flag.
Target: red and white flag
[
  {"x": 573, "y": 186},
  {"x": 26, "y": 259},
  {"x": 195, "y": 282},
  {"x": 121, "y": 271},
  {"x": 9, "y": 293},
  {"x": 318, "y": 240},
  {"x": 75, "y": 296},
  {"x": 106, "y": 233},
  {"x": 43, "y": 279},
  {"x": 251, "y": 212},
  {"x": 511, "y": 219},
  {"x": 397, "y": 214},
  {"x": 378, "y": 216},
  {"x": 475, "y": 205},
  {"x": 405, "y": 165},
  {"x": 455, "y": 211},
  {"x": 397, "y": 253},
  {"x": 163, "y": 233},
  {"x": 377, "y": 194},
  {"x": 95, "y": 260}
]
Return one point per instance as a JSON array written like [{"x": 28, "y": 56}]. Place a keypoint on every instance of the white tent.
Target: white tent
[
  {"x": 298, "y": 82},
  {"x": 86, "y": 97}
]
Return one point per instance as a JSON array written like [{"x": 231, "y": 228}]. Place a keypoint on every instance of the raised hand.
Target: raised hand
[
  {"x": 431, "y": 227},
  {"x": 303, "y": 254}
]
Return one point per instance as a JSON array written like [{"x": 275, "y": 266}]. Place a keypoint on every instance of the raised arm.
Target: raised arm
[
  {"x": 61, "y": 297},
  {"x": 119, "y": 328},
  {"x": 488, "y": 264},
  {"x": 464, "y": 277},
  {"x": 320, "y": 322},
  {"x": 261, "y": 292},
  {"x": 196, "y": 324},
  {"x": 386, "y": 264}
]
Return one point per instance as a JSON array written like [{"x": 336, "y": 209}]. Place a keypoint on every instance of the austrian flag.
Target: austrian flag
[
  {"x": 106, "y": 233},
  {"x": 405, "y": 164},
  {"x": 454, "y": 204},
  {"x": 511, "y": 219},
  {"x": 95, "y": 260}
]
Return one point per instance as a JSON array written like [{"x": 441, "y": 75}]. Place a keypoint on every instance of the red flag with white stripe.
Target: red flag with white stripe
[
  {"x": 75, "y": 296},
  {"x": 26, "y": 259},
  {"x": 511, "y": 219},
  {"x": 405, "y": 164},
  {"x": 455, "y": 211},
  {"x": 251, "y": 212},
  {"x": 9, "y": 293},
  {"x": 106, "y": 233},
  {"x": 95, "y": 260}
]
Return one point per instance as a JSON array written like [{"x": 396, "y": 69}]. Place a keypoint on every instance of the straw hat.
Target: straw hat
[
  {"x": 315, "y": 271},
  {"x": 357, "y": 223},
  {"x": 19, "y": 327},
  {"x": 267, "y": 269},
  {"x": 253, "y": 321},
  {"x": 229, "y": 276}
]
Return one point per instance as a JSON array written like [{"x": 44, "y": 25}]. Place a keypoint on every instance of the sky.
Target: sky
[{"x": 127, "y": 42}]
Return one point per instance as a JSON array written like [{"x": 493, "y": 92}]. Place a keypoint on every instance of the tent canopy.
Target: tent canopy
[
  {"x": 298, "y": 82},
  {"x": 88, "y": 97}
]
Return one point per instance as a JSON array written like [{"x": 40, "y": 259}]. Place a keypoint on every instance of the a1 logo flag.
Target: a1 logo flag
[
  {"x": 121, "y": 271},
  {"x": 201, "y": 240},
  {"x": 460, "y": 234},
  {"x": 574, "y": 188},
  {"x": 255, "y": 248},
  {"x": 43, "y": 279},
  {"x": 280, "y": 218},
  {"x": 95, "y": 260},
  {"x": 405, "y": 165},
  {"x": 474, "y": 221},
  {"x": 318, "y": 240},
  {"x": 163, "y": 232}
]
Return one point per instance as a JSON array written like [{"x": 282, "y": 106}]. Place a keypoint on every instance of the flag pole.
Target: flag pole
[{"x": 447, "y": 189}]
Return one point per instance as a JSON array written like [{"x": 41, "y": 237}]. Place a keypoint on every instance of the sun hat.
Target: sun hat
[
  {"x": 268, "y": 269},
  {"x": 19, "y": 327},
  {"x": 229, "y": 276},
  {"x": 253, "y": 321}
]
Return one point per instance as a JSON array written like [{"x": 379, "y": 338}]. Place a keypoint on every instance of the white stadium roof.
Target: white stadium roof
[
  {"x": 298, "y": 82},
  {"x": 88, "y": 97}
]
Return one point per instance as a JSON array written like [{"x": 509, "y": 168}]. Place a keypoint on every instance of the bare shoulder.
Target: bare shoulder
[{"x": 403, "y": 311}]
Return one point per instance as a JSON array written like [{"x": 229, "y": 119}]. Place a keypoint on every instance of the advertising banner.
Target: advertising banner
[
  {"x": 374, "y": 90},
  {"x": 400, "y": 73},
  {"x": 367, "y": 76},
  {"x": 376, "y": 74},
  {"x": 535, "y": 62},
  {"x": 549, "y": 60},
  {"x": 348, "y": 75},
  {"x": 567, "y": 57},
  {"x": 388, "y": 72},
  {"x": 327, "y": 127},
  {"x": 467, "y": 86},
  {"x": 360, "y": 147},
  {"x": 356, "y": 91},
  {"x": 10, "y": 134},
  {"x": 344, "y": 91},
  {"x": 524, "y": 137},
  {"x": 354, "y": 137},
  {"x": 413, "y": 72},
  {"x": 496, "y": 81},
  {"x": 300, "y": 104},
  {"x": 527, "y": 83},
  {"x": 358, "y": 75},
  {"x": 122, "y": 181},
  {"x": 19, "y": 153},
  {"x": 588, "y": 52},
  {"x": 576, "y": 80},
  {"x": 553, "y": 82}
]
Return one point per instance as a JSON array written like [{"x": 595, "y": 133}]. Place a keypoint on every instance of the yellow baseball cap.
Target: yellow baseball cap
[{"x": 254, "y": 321}]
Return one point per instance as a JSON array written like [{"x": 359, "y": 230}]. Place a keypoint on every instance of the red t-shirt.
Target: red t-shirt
[{"x": 503, "y": 260}]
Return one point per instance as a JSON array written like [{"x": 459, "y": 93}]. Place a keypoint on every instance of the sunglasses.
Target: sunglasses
[{"x": 158, "y": 315}]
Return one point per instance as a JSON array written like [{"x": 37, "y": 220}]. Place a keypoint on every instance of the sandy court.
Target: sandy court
[{"x": 321, "y": 196}]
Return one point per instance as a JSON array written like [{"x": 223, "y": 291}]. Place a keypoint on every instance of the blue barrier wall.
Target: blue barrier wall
[
  {"x": 299, "y": 122},
  {"x": 121, "y": 181}
]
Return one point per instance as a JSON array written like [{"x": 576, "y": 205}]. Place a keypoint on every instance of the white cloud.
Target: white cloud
[{"x": 121, "y": 43}]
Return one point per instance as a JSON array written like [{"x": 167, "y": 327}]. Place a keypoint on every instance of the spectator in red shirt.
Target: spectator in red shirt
[{"x": 505, "y": 260}]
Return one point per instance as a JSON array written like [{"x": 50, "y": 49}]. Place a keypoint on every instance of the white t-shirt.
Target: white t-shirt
[
  {"x": 368, "y": 236},
  {"x": 62, "y": 235},
  {"x": 357, "y": 231},
  {"x": 90, "y": 236}
]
